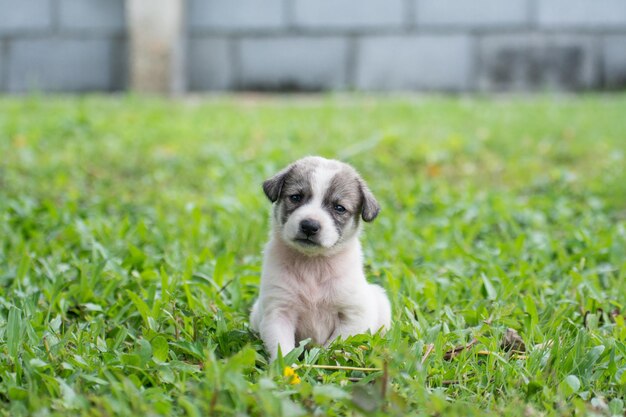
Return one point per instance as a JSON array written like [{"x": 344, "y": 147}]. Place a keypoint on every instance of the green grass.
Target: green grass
[{"x": 131, "y": 232}]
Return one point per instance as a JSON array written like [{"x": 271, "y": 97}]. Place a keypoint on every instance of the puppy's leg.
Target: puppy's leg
[
  {"x": 278, "y": 329},
  {"x": 354, "y": 320},
  {"x": 384, "y": 308},
  {"x": 372, "y": 314},
  {"x": 255, "y": 316}
]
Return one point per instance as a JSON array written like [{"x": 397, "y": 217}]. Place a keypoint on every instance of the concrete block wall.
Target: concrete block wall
[
  {"x": 62, "y": 45},
  {"x": 311, "y": 45},
  {"x": 440, "y": 45}
]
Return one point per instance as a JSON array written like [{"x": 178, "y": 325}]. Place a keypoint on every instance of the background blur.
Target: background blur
[{"x": 306, "y": 45}]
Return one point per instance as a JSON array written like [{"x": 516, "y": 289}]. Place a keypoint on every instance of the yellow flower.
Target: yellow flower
[{"x": 291, "y": 375}]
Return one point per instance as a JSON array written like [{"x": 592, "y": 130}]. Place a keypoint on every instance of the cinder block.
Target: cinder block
[
  {"x": 582, "y": 13},
  {"x": 615, "y": 61},
  {"x": 429, "y": 62},
  {"x": 533, "y": 61},
  {"x": 472, "y": 13},
  {"x": 294, "y": 63},
  {"x": 236, "y": 15},
  {"x": 348, "y": 14},
  {"x": 18, "y": 16},
  {"x": 100, "y": 15},
  {"x": 209, "y": 64},
  {"x": 60, "y": 65}
]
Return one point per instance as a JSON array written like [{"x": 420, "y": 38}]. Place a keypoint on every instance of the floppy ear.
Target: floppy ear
[
  {"x": 370, "y": 207},
  {"x": 273, "y": 186}
]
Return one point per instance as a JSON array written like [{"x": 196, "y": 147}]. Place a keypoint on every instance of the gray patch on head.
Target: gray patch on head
[
  {"x": 295, "y": 179},
  {"x": 297, "y": 182},
  {"x": 343, "y": 189},
  {"x": 349, "y": 181}
]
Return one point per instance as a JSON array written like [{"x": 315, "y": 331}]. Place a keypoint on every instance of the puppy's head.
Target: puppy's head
[{"x": 319, "y": 204}]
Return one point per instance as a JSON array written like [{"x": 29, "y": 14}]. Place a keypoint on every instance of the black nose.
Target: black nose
[{"x": 309, "y": 227}]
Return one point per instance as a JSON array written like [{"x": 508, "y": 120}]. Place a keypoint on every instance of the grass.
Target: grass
[{"x": 131, "y": 231}]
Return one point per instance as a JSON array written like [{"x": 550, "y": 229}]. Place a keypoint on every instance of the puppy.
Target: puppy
[{"x": 312, "y": 284}]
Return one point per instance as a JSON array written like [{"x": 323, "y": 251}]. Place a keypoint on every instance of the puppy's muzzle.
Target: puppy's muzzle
[{"x": 310, "y": 227}]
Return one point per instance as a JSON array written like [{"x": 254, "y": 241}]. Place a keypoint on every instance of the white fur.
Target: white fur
[{"x": 317, "y": 293}]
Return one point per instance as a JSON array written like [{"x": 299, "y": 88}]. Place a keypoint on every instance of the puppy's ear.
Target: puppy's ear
[
  {"x": 370, "y": 207},
  {"x": 273, "y": 186}
]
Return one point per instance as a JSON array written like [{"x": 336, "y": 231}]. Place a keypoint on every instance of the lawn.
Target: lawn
[{"x": 131, "y": 232}]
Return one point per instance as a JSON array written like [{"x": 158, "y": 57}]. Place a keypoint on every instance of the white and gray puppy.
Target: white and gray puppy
[{"x": 312, "y": 284}]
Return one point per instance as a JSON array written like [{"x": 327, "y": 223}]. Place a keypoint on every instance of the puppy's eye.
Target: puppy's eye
[
  {"x": 295, "y": 198},
  {"x": 339, "y": 208}
]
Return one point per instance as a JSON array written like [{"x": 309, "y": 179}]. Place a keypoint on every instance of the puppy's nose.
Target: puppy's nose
[{"x": 309, "y": 227}]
